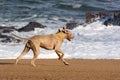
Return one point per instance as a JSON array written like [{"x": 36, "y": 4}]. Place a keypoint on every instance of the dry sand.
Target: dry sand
[{"x": 55, "y": 70}]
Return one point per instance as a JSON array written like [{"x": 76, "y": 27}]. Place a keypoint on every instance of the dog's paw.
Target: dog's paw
[
  {"x": 66, "y": 63},
  {"x": 33, "y": 65},
  {"x": 59, "y": 58}
]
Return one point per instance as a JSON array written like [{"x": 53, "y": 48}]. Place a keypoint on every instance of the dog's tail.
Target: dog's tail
[{"x": 20, "y": 37}]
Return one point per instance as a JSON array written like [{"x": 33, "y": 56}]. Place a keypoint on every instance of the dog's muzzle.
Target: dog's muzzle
[{"x": 71, "y": 38}]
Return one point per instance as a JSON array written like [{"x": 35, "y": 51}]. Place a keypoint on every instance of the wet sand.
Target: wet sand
[{"x": 52, "y": 69}]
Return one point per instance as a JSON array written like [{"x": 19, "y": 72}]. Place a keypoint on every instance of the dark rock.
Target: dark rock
[
  {"x": 103, "y": 14},
  {"x": 6, "y": 39},
  {"x": 71, "y": 25},
  {"x": 31, "y": 26},
  {"x": 2, "y": 36},
  {"x": 89, "y": 17},
  {"x": 116, "y": 18},
  {"x": 108, "y": 22},
  {"x": 9, "y": 39},
  {"x": 7, "y": 29}
]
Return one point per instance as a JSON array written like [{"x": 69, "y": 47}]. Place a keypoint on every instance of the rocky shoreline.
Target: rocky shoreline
[
  {"x": 104, "y": 18},
  {"x": 5, "y": 31}
]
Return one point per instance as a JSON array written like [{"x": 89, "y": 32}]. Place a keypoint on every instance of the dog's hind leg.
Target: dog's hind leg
[
  {"x": 36, "y": 53},
  {"x": 26, "y": 49}
]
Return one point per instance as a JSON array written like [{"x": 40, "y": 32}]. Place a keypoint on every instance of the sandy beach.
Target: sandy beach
[{"x": 52, "y": 69}]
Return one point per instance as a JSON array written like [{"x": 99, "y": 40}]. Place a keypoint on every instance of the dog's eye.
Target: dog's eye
[{"x": 67, "y": 31}]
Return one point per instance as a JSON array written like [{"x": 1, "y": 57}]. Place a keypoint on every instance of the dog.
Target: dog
[{"x": 49, "y": 42}]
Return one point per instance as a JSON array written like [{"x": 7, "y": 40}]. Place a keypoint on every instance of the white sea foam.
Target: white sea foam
[
  {"x": 77, "y": 5},
  {"x": 95, "y": 41}
]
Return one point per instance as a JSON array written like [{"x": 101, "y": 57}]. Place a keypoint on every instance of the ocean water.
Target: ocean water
[
  {"x": 95, "y": 41},
  {"x": 62, "y": 10}
]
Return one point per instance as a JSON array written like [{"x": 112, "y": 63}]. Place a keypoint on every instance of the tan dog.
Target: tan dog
[{"x": 49, "y": 42}]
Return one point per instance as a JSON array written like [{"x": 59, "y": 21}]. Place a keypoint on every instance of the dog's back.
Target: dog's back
[{"x": 45, "y": 41}]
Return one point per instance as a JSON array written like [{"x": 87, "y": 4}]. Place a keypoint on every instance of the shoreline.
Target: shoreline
[{"x": 53, "y": 69}]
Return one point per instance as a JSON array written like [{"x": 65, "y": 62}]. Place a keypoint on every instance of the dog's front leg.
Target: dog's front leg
[
  {"x": 58, "y": 51},
  {"x": 58, "y": 54}
]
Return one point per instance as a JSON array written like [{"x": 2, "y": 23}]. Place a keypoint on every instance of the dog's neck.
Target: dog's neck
[{"x": 61, "y": 35}]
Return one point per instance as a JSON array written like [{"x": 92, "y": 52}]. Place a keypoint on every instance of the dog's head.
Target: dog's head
[{"x": 67, "y": 33}]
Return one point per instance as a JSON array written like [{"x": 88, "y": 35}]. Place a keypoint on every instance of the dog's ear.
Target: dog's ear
[
  {"x": 59, "y": 30},
  {"x": 64, "y": 28}
]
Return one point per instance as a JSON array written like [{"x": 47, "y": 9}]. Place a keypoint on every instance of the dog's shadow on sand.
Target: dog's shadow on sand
[{"x": 7, "y": 63}]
